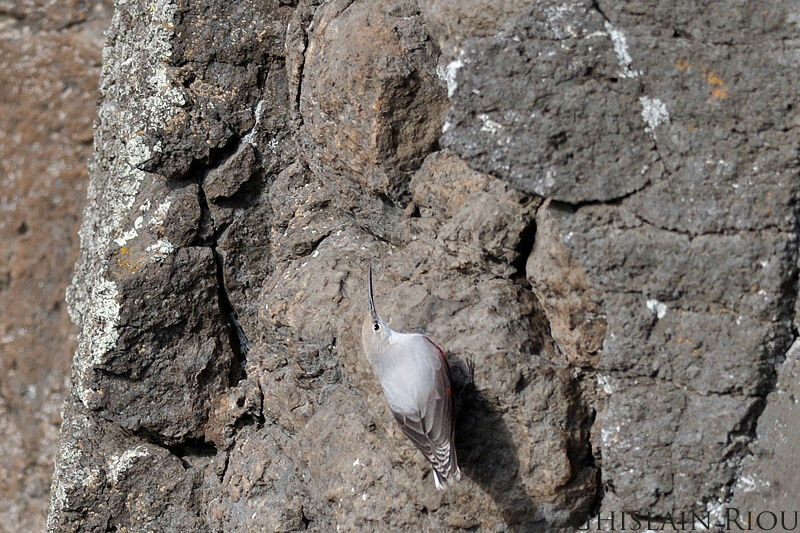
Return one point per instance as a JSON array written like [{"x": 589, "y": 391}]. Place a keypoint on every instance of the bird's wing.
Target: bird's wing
[{"x": 431, "y": 426}]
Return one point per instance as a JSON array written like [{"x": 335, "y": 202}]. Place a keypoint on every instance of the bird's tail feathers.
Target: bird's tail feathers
[{"x": 444, "y": 481}]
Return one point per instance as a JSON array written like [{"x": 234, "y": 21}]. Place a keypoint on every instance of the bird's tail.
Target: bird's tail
[{"x": 449, "y": 476}]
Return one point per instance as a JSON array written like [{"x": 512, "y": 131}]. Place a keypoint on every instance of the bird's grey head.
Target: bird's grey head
[{"x": 375, "y": 332}]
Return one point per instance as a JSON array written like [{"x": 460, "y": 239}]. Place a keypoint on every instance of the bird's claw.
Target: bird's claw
[{"x": 470, "y": 375}]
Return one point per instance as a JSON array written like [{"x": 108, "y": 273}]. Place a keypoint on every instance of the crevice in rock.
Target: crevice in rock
[
  {"x": 746, "y": 433},
  {"x": 374, "y": 235},
  {"x": 722, "y": 233},
  {"x": 304, "y": 518},
  {"x": 207, "y": 235},
  {"x": 236, "y": 336},
  {"x": 596, "y": 7},
  {"x": 186, "y": 447},
  {"x": 227, "y": 459},
  {"x": 616, "y": 201},
  {"x": 12, "y": 14},
  {"x": 316, "y": 244},
  {"x": 192, "y": 447},
  {"x": 524, "y": 249},
  {"x": 579, "y": 449},
  {"x": 249, "y": 419},
  {"x": 300, "y": 68}
]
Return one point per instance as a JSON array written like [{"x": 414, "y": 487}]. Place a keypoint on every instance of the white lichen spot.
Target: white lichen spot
[
  {"x": 102, "y": 317},
  {"x": 715, "y": 510},
  {"x": 489, "y": 125},
  {"x": 137, "y": 151},
  {"x": 746, "y": 484},
  {"x": 450, "y": 73},
  {"x": 654, "y": 113},
  {"x": 609, "y": 436},
  {"x": 131, "y": 233},
  {"x": 621, "y": 49},
  {"x": 161, "y": 211},
  {"x": 250, "y": 137},
  {"x": 657, "y": 308},
  {"x": 70, "y": 475},
  {"x": 604, "y": 381},
  {"x": 159, "y": 250},
  {"x": 118, "y": 464},
  {"x": 125, "y": 237},
  {"x": 549, "y": 180},
  {"x": 560, "y": 20}
]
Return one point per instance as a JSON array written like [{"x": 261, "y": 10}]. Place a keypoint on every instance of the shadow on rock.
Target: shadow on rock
[{"x": 488, "y": 456}]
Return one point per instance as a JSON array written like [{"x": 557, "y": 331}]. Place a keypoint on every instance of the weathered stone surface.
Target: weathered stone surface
[
  {"x": 763, "y": 483},
  {"x": 485, "y": 221},
  {"x": 454, "y": 22},
  {"x": 688, "y": 319},
  {"x": 49, "y": 65},
  {"x": 225, "y": 181},
  {"x": 548, "y": 106},
  {"x": 221, "y": 284},
  {"x": 721, "y": 119},
  {"x": 108, "y": 479},
  {"x": 217, "y": 63},
  {"x": 574, "y": 309},
  {"x": 370, "y": 67},
  {"x": 695, "y": 271}
]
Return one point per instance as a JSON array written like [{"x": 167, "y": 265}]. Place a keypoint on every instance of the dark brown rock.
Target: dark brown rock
[
  {"x": 225, "y": 180},
  {"x": 370, "y": 101},
  {"x": 574, "y": 309}
]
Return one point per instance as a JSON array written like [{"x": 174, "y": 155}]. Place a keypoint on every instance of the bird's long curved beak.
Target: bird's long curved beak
[{"x": 370, "y": 299}]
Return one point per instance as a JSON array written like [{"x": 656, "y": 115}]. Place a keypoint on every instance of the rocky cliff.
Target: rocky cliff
[{"x": 593, "y": 201}]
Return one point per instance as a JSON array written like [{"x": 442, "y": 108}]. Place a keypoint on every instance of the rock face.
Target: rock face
[
  {"x": 594, "y": 203},
  {"x": 49, "y": 68}
]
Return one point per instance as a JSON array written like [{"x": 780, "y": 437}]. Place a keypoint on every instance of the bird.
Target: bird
[{"x": 414, "y": 375}]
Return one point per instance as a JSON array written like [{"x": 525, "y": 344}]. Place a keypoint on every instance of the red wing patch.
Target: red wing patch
[
  {"x": 442, "y": 356},
  {"x": 439, "y": 350}
]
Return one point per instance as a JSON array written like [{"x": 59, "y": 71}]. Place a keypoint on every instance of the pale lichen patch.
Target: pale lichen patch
[
  {"x": 621, "y": 50},
  {"x": 160, "y": 213},
  {"x": 70, "y": 475},
  {"x": 450, "y": 72},
  {"x": 654, "y": 113},
  {"x": 160, "y": 249},
  {"x": 657, "y": 308},
  {"x": 119, "y": 464}
]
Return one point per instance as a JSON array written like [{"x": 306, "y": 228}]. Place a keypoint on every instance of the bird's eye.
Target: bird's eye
[{"x": 376, "y": 326}]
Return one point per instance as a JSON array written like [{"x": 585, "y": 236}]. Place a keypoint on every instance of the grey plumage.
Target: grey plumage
[{"x": 415, "y": 377}]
